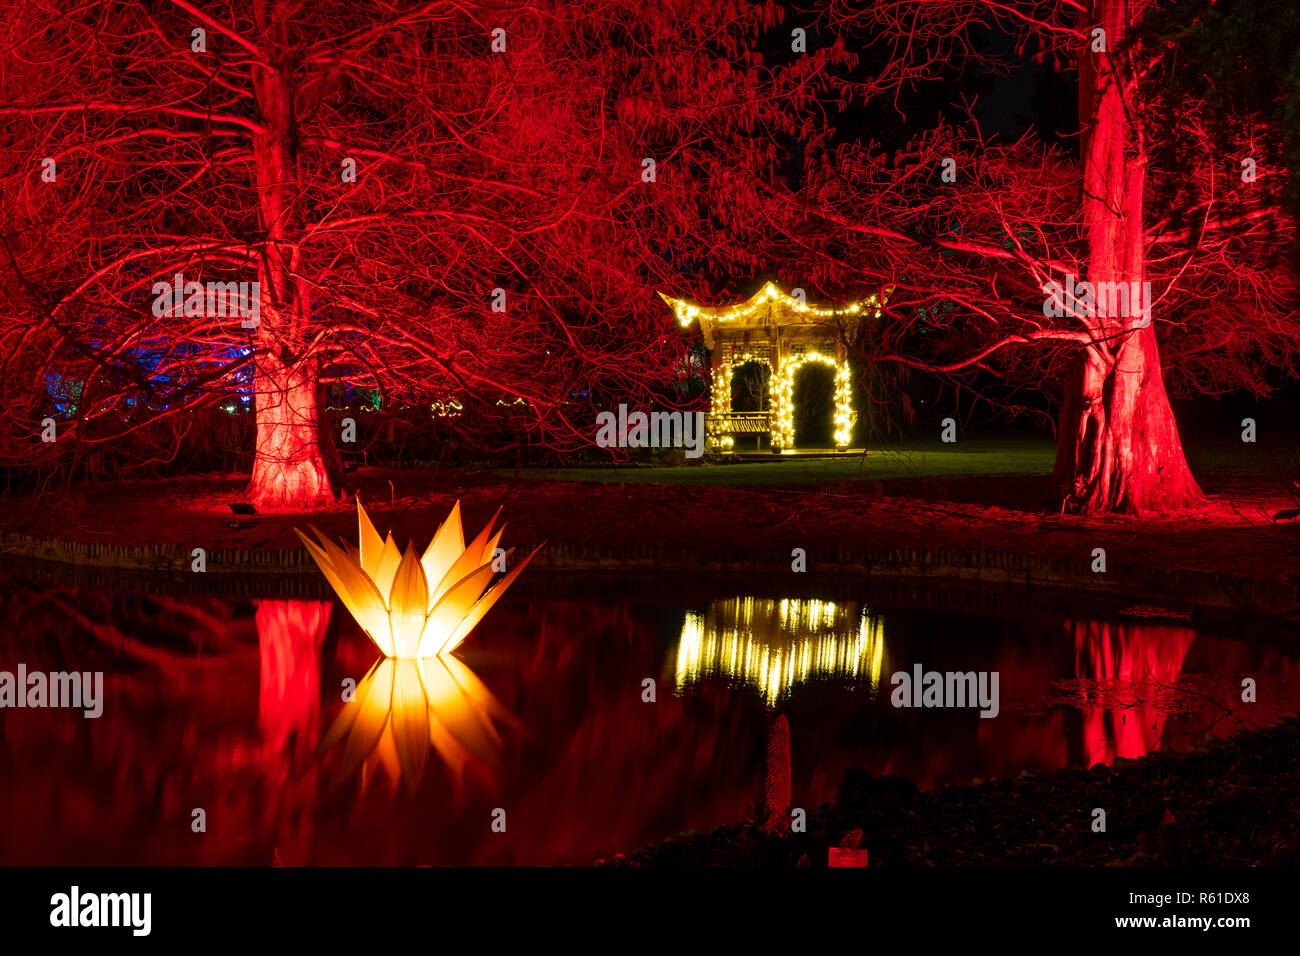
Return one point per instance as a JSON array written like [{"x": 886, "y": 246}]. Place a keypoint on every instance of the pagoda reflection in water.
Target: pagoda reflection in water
[{"x": 776, "y": 644}]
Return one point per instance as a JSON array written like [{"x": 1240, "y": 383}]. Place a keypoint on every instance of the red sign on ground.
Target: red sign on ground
[{"x": 842, "y": 857}]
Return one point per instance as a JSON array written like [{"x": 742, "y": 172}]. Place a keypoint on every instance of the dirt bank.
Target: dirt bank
[
  {"x": 1229, "y": 552},
  {"x": 1232, "y": 804}
]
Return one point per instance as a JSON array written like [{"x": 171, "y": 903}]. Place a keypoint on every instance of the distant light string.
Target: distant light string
[{"x": 688, "y": 312}]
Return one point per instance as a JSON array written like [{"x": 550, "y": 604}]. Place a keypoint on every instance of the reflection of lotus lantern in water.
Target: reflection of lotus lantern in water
[
  {"x": 415, "y": 606},
  {"x": 777, "y": 644},
  {"x": 404, "y": 708}
]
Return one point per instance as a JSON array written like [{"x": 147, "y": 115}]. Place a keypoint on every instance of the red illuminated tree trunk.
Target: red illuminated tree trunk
[
  {"x": 1118, "y": 447},
  {"x": 289, "y": 470}
]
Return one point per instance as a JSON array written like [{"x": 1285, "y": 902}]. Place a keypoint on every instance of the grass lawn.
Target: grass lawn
[
  {"x": 967, "y": 458},
  {"x": 973, "y": 457}
]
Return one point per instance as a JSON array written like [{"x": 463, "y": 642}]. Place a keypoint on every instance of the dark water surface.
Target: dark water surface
[{"x": 233, "y": 705}]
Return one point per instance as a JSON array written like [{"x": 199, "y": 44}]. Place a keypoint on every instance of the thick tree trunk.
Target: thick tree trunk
[
  {"x": 1118, "y": 448},
  {"x": 289, "y": 469},
  {"x": 289, "y": 472}
]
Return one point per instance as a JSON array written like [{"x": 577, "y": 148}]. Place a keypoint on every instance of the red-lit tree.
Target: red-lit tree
[
  {"x": 972, "y": 254},
  {"x": 436, "y": 199}
]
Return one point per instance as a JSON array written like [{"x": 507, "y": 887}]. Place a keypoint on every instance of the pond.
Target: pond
[{"x": 225, "y": 737}]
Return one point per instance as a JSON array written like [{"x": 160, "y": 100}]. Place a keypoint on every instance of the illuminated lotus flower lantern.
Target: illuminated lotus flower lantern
[{"x": 415, "y": 606}]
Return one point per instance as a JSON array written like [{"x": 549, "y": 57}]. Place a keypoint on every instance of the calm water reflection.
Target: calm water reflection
[{"x": 237, "y": 707}]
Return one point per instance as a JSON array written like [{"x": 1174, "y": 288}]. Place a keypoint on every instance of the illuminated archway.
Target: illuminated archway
[
  {"x": 783, "y": 400},
  {"x": 723, "y": 424}
]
